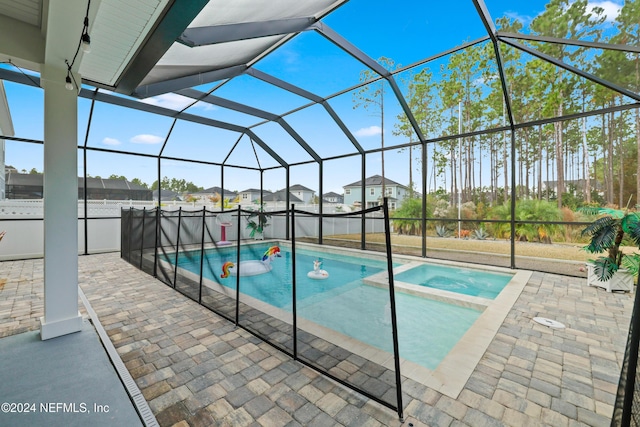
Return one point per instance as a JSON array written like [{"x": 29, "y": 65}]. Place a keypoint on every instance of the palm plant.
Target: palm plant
[
  {"x": 257, "y": 221},
  {"x": 534, "y": 220},
  {"x": 607, "y": 233},
  {"x": 408, "y": 217}
]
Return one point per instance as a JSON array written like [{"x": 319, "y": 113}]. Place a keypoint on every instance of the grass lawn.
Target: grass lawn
[{"x": 555, "y": 251}]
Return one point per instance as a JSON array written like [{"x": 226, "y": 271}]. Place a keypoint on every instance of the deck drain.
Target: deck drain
[{"x": 548, "y": 322}]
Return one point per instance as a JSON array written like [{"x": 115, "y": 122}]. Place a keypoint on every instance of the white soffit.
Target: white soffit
[
  {"x": 120, "y": 27},
  {"x": 219, "y": 55},
  {"x": 222, "y": 12},
  {"x": 27, "y": 11},
  {"x": 181, "y": 60}
]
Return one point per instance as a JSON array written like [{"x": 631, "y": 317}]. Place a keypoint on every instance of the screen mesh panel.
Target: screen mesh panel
[{"x": 332, "y": 310}]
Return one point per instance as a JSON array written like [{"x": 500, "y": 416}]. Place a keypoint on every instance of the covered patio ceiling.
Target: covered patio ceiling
[{"x": 199, "y": 52}]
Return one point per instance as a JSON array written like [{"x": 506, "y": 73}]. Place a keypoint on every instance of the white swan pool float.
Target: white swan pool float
[
  {"x": 317, "y": 273},
  {"x": 251, "y": 267}
]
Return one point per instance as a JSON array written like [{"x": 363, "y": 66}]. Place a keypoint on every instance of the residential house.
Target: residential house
[
  {"x": 251, "y": 195},
  {"x": 30, "y": 186},
  {"x": 167, "y": 196},
  {"x": 205, "y": 195},
  {"x": 279, "y": 199},
  {"x": 298, "y": 194},
  {"x": 395, "y": 192},
  {"x": 332, "y": 197},
  {"x": 303, "y": 193}
]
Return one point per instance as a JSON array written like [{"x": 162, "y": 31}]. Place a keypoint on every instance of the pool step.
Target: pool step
[{"x": 381, "y": 280}]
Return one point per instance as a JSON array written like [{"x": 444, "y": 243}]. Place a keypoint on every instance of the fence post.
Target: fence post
[
  {"x": 130, "y": 233},
  {"x": 392, "y": 297},
  {"x": 623, "y": 408},
  {"x": 157, "y": 242},
  {"x": 204, "y": 225},
  {"x": 144, "y": 216},
  {"x": 293, "y": 282},
  {"x": 238, "y": 267},
  {"x": 175, "y": 267},
  {"x": 320, "y": 203}
]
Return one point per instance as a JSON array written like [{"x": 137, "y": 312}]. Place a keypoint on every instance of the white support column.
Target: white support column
[{"x": 61, "y": 315}]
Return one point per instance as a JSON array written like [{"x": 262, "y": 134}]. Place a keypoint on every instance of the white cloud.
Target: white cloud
[
  {"x": 370, "y": 131},
  {"x": 111, "y": 141},
  {"x": 169, "y": 100},
  {"x": 176, "y": 102},
  {"x": 524, "y": 19},
  {"x": 146, "y": 139},
  {"x": 205, "y": 106},
  {"x": 611, "y": 9},
  {"x": 290, "y": 57}
]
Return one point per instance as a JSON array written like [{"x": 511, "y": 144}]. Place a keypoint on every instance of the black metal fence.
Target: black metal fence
[
  {"x": 309, "y": 303},
  {"x": 626, "y": 411}
]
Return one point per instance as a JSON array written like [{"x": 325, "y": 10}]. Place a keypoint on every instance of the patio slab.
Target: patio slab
[{"x": 196, "y": 368}]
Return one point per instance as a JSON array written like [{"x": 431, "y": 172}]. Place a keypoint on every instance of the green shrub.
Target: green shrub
[
  {"x": 442, "y": 231},
  {"x": 480, "y": 234},
  {"x": 528, "y": 210},
  {"x": 410, "y": 208}
]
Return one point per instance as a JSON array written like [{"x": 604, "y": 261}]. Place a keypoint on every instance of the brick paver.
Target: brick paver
[{"x": 195, "y": 368}]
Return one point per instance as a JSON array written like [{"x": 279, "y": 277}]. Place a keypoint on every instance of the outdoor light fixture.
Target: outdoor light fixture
[
  {"x": 85, "y": 44},
  {"x": 70, "y": 81},
  {"x": 68, "y": 85},
  {"x": 85, "y": 40}
]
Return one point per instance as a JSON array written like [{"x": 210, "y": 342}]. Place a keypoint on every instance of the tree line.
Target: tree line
[
  {"x": 594, "y": 159},
  {"x": 176, "y": 185}
]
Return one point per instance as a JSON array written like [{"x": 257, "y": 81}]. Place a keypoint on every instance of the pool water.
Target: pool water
[
  {"x": 477, "y": 283},
  {"x": 427, "y": 330},
  {"x": 275, "y": 288}
]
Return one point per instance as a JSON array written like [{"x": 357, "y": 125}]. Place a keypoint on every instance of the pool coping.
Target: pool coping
[{"x": 453, "y": 372}]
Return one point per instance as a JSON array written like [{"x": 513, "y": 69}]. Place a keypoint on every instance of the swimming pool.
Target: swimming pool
[
  {"x": 275, "y": 288},
  {"x": 447, "y": 331},
  {"x": 465, "y": 281},
  {"x": 427, "y": 329}
]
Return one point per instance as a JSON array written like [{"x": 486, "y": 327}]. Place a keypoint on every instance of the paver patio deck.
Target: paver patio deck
[{"x": 195, "y": 368}]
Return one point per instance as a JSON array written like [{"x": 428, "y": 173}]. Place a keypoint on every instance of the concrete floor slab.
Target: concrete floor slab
[{"x": 64, "y": 381}]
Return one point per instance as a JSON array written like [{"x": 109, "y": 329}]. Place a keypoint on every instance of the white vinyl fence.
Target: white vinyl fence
[{"x": 22, "y": 221}]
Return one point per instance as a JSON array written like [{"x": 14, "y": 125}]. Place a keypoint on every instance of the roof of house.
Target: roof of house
[
  {"x": 36, "y": 180},
  {"x": 298, "y": 187},
  {"x": 253, "y": 190},
  {"x": 331, "y": 194},
  {"x": 281, "y": 196},
  {"x": 375, "y": 180},
  {"x": 13, "y": 178},
  {"x": 214, "y": 190},
  {"x": 111, "y": 184},
  {"x": 166, "y": 195}
]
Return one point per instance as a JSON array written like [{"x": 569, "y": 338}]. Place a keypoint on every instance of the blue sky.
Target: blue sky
[{"x": 406, "y": 32}]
